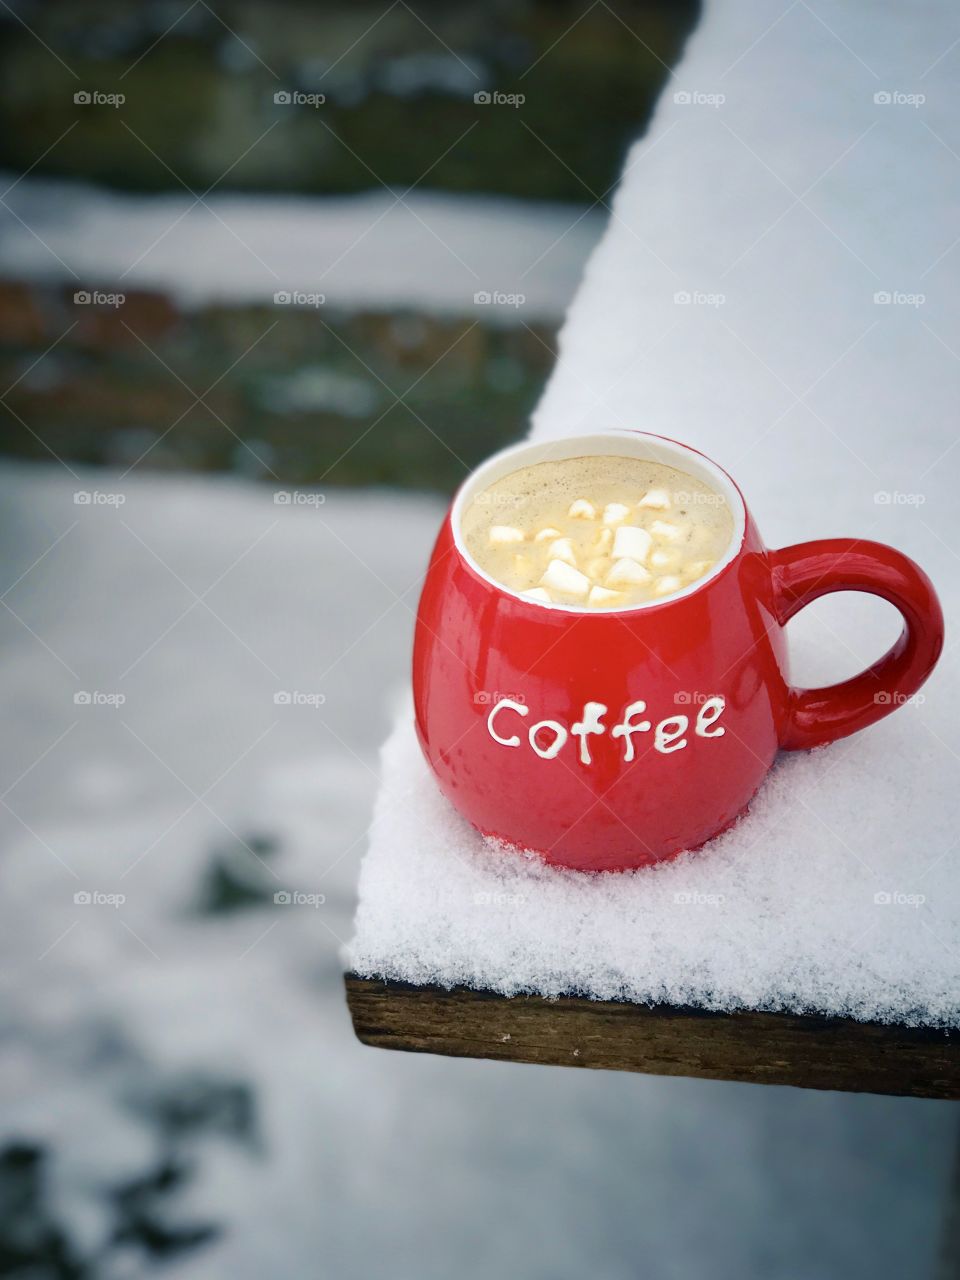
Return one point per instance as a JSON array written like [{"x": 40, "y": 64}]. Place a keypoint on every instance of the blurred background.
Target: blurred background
[{"x": 273, "y": 277}]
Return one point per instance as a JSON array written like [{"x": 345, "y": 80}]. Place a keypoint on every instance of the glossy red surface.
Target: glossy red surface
[{"x": 477, "y": 645}]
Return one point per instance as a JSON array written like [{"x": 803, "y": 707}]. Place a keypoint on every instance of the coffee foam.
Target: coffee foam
[{"x": 640, "y": 530}]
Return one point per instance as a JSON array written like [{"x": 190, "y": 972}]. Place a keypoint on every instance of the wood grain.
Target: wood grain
[{"x": 808, "y": 1051}]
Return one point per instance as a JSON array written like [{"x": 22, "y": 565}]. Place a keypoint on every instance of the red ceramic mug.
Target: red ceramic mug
[{"x": 611, "y": 740}]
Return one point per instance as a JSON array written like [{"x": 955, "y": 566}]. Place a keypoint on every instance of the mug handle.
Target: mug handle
[{"x": 808, "y": 570}]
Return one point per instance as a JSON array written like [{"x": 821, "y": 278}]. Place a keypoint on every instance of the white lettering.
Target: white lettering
[{"x": 515, "y": 706}]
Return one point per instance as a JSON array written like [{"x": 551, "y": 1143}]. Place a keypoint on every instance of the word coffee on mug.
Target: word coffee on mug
[{"x": 602, "y": 532}]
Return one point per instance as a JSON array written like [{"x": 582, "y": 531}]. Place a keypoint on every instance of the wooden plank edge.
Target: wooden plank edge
[{"x": 806, "y": 1051}]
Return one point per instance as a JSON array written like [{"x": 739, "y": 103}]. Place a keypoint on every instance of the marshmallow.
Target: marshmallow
[
  {"x": 565, "y": 580},
  {"x": 581, "y": 509},
  {"x": 544, "y": 534},
  {"x": 601, "y": 596},
  {"x": 661, "y": 559},
  {"x": 599, "y": 567},
  {"x": 627, "y": 573},
  {"x": 562, "y": 549},
  {"x": 659, "y": 499},
  {"x": 603, "y": 541},
  {"x": 500, "y": 534},
  {"x": 615, "y": 512},
  {"x": 632, "y": 543},
  {"x": 669, "y": 582},
  {"x": 537, "y": 593},
  {"x": 697, "y": 568},
  {"x": 664, "y": 529}
]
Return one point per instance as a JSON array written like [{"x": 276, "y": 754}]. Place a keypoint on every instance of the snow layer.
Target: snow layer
[
  {"x": 778, "y": 287},
  {"x": 375, "y": 251}
]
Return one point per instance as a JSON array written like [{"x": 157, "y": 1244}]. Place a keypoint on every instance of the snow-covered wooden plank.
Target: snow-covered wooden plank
[{"x": 757, "y": 1048}]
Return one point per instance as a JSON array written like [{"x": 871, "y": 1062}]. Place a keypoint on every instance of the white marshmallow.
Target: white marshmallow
[
  {"x": 581, "y": 509},
  {"x": 627, "y": 573},
  {"x": 565, "y": 580},
  {"x": 599, "y": 566},
  {"x": 632, "y": 543},
  {"x": 697, "y": 568},
  {"x": 661, "y": 559},
  {"x": 603, "y": 541},
  {"x": 664, "y": 529},
  {"x": 544, "y": 534},
  {"x": 500, "y": 534},
  {"x": 562, "y": 549},
  {"x": 659, "y": 499},
  {"x": 669, "y": 582},
  {"x": 601, "y": 596},
  {"x": 537, "y": 593},
  {"x": 615, "y": 512}
]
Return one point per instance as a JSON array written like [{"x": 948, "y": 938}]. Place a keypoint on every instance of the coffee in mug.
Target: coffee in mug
[{"x": 597, "y": 532}]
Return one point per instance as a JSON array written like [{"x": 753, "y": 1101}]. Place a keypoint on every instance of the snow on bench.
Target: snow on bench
[{"x": 776, "y": 286}]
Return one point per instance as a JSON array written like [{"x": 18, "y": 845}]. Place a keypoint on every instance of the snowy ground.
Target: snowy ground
[{"x": 312, "y": 1155}]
